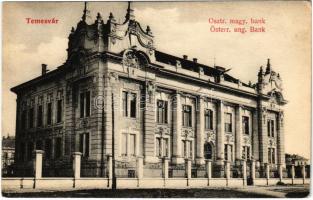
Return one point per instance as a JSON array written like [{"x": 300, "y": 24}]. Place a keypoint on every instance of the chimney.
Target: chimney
[
  {"x": 43, "y": 69},
  {"x": 185, "y": 57},
  {"x": 195, "y": 60}
]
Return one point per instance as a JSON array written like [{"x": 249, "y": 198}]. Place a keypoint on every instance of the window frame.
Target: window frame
[
  {"x": 208, "y": 113},
  {"x": 228, "y": 127},
  {"x": 186, "y": 115}
]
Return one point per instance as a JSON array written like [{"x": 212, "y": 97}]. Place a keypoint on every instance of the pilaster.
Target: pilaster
[
  {"x": 177, "y": 124},
  {"x": 200, "y": 132},
  {"x": 238, "y": 121}
]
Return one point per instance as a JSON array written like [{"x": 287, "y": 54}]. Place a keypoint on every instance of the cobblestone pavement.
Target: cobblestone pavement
[{"x": 250, "y": 191}]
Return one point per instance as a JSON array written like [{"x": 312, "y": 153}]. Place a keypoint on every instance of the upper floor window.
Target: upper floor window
[
  {"x": 85, "y": 104},
  {"x": 133, "y": 105},
  {"x": 49, "y": 113},
  {"x": 208, "y": 119},
  {"x": 129, "y": 101},
  {"x": 59, "y": 110},
  {"x": 125, "y": 104},
  {"x": 208, "y": 151},
  {"x": 30, "y": 149},
  {"x": 187, "y": 117},
  {"x": 39, "y": 116},
  {"x": 31, "y": 118},
  {"x": 228, "y": 122},
  {"x": 162, "y": 107},
  {"x": 245, "y": 125},
  {"x": 270, "y": 128},
  {"x": 84, "y": 144}
]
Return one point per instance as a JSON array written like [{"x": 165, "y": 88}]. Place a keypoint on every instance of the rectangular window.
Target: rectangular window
[
  {"x": 133, "y": 105},
  {"x": 59, "y": 111},
  {"x": 30, "y": 149},
  {"x": 158, "y": 147},
  {"x": 84, "y": 144},
  {"x": 190, "y": 149},
  {"x": 48, "y": 145},
  {"x": 125, "y": 104},
  {"x": 39, "y": 116},
  {"x": 187, "y": 118},
  {"x": 245, "y": 125},
  {"x": 124, "y": 144},
  {"x": 228, "y": 152},
  {"x": 58, "y": 147},
  {"x": 132, "y": 144},
  {"x": 268, "y": 128},
  {"x": 49, "y": 114},
  {"x": 246, "y": 152},
  {"x": 228, "y": 122},
  {"x": 269, "y": 155},
  {"x": 184, "y": 149},
  {"x": 31, "y": 118},
  {"x": 273, "y": 155},
  {"x": 87, "y": 103},
  {"x": 166, "y": 147},
  {"x": 82, "y": 104},
  {"x": 208, "y": 119},
  {"x": 161, "y": 111},
  {"x": 24, "y": 119},
  {"x": 272, "y": 128}
]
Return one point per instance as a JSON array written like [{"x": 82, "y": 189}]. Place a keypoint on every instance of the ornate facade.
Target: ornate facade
[{"x": 117, "y": 95}]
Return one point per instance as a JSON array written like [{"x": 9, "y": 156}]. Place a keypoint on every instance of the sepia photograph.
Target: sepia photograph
[{"x": 136, "y": 99}]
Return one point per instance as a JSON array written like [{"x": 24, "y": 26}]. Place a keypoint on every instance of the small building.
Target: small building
[{"x": 8, "y": 149}]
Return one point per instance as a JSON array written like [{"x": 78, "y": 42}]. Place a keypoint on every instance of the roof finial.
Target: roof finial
[
  {"x": 85, "y": 11},
  {"x": 130, "y": 12}
]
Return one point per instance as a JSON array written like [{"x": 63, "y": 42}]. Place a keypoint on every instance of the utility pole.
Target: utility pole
[{"x": 113, "y": 144}]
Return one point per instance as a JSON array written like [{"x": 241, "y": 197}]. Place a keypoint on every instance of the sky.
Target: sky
[{"x": 179, "y": 28}]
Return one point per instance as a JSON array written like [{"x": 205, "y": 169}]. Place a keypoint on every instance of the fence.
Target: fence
[{"x": 189, "y": 180}]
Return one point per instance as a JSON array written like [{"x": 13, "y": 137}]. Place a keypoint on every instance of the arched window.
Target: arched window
[{"x": 208, "y": 151}]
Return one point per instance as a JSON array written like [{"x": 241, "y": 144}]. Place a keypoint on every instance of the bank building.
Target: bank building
[{"x": 119, "y": 100}]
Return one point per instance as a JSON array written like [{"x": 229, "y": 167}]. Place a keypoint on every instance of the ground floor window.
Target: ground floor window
[
  {"x": 271, "y": 155},
  {"x": 246, "y": 152},
  {"x": 162, "y": 147},
  {"x": 84, "y": 144},
  {"x": 187, "y": 148},
  {"x": 208, "y": 151},
  {"x": 228, "y": 152},
  {"x": 128, "y": 144}
]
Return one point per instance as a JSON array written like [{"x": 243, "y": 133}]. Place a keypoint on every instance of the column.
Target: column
[
  {"x": 238, "y": 121},
  {"x": 255, "y": 136},
  {"x": 253, "y": 170},
  {"x": 188, "y": 168},
  {"x": 149, "y": 122},
  {"x": 220, "y": 132},
  {"x": 110, "y": 167},
  {"x": 76, "y": 164},
  {"x": 267, "y": 168},
  {"x": 303, "y": 173},
  {"x": 227, "y": 169},
  {"x": 280, "y": 139},
  {"x": 244, "y": 172},
  {"x": 177, "y": 124},
  {"x": 262, "y": 129},
  {"x": 38, "y": 164},
  {"x": 165, "y": 167},
  {"x": 280, "y": 171},
  {"x": 139, "y": 167},
  {"x": 292, "y": 172},
  {"x": 209, "y": 168},
  {"x": 200, "y": 132}
]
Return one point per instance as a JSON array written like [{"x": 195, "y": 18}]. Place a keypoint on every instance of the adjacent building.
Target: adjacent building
[
  {"x": 117, "y": 95},
  {"x": 8, "y": 150}
]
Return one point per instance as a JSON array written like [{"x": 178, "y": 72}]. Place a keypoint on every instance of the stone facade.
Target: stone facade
[{"x": 117, "y": 97}]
